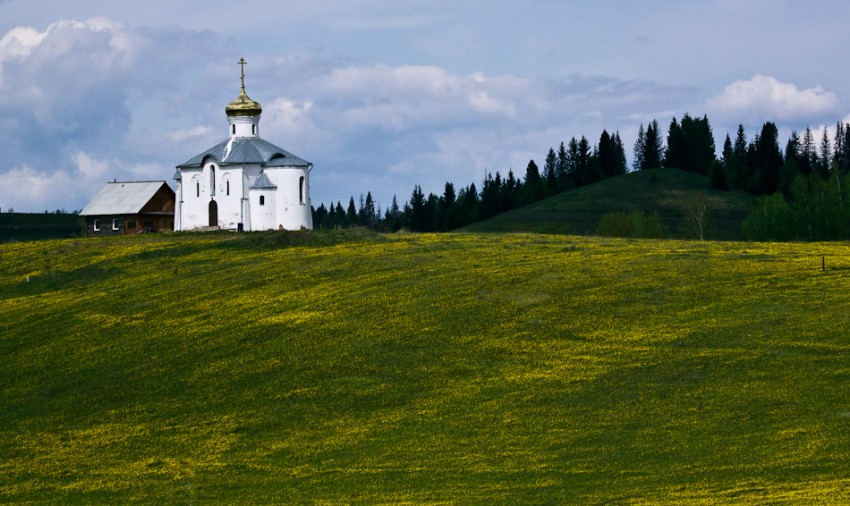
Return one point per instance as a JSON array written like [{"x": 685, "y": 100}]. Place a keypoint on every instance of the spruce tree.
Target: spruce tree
[
  {"x": 652, "y": 147},
  {"x": 620, "y": 166},
  {"x": 674, "y": 155},
  {"x": 563, "y": 168},
  {"x": 351, "y": 215},
  {"x": 825, "y": 165},
  {"x": 808, "y": 153},
  {"x": 637, "y": 152},
  {"x": 582, "y": 163},
  {"x": 550, "y": 172}
]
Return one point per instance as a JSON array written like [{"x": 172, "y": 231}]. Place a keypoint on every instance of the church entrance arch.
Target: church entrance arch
[{"x": 213, "y": 213}]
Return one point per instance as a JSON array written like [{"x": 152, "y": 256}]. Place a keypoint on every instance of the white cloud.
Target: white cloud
[
  {"x": 198, "y": 131},
  {"x": 99, "y": 100},
  {"x": 28, "y": 190},
  {"x": 766, "y": 98},
  {"x": 89, "y": 167}
]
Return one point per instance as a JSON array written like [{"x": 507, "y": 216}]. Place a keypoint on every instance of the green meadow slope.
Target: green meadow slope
[
  {"x": 349, "y": 367},
  {"x": 665, "y": 191}
]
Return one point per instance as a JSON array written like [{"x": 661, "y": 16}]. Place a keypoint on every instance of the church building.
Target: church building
[{"x": 243, "y": 182}]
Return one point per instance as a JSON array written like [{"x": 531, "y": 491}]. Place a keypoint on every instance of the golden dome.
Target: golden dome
[{"x": 243, "y": 106}]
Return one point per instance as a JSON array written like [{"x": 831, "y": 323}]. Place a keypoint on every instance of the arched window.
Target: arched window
[
  {"x": 262, "y": 200},
  {"x": 301, "y": 190},
  {"x": 212, "y": 179}
]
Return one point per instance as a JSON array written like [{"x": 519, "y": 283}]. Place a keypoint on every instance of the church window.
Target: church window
[
  {"x": 212, "y": 179},
  {"x": 301, "y": 190},
  {"x": 233, "y": 129},
  {"x": 114, "y": 223},
  {"x": 227, "y": 187},
  {"x": 96, "y": 225},
  {"x": 262, "y": 200},
  {"x": 197, "y": 189},
  {"x": 253, "y": 129}
]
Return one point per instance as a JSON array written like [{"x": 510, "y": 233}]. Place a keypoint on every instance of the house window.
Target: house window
[
  {"x": 96, "y": 225},
  {"x": 114, "y": 223},
  {"x": 262, "y": 200},
  {"x": 131, "y": 224}
]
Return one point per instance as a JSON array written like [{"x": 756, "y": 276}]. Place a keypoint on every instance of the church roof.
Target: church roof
[
  {"x": 262, "y": 183},
  {"x": 246, "y": 150},
  {"x": 123, "y": 197}
]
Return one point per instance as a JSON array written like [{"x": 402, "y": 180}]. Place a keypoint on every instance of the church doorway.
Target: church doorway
[{"x": 213, "y": 213}]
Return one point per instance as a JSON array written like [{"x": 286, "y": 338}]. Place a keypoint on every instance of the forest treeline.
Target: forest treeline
[{"x": 802, "y": 189}]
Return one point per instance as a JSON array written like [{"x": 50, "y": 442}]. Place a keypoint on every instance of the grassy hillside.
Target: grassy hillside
[
  {"x": 37, "y": 226},
  {"x": 347, "y": 367},
  {"x": 578, "y": 211}
]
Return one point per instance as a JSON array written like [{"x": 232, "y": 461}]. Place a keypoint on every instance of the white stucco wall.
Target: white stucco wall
[
  {"x": 263, "y": 215},
  {"x": 291, "y": 212}
]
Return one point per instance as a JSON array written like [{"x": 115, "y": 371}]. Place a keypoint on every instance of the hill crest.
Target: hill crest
[{"x": 665, "y": 191}]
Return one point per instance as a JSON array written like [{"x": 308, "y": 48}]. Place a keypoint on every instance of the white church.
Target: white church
[{"x": 243, "y": 182}]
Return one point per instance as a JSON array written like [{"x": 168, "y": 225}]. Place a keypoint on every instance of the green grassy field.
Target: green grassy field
[
  {"x": 349, "y": 367},
  {"x": 665, "y": 191}
]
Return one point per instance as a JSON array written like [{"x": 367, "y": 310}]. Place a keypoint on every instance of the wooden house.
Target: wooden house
[{"x": 130, "y": 207}]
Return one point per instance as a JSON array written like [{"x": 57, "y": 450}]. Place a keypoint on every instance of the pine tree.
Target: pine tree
[
  {"x": 572, "y": 162},
  {"x": 700, "y": 149},
  {"x": 392, "y": 219},
  {"x": 582, "y": 164},
  {"x": 351, "y": 214},
  {"x": 416, "y": 217},
  {"x": 448, "y": 208},
  {"x": 607, "y": 155},
  {"x": 369, "y": 212},
  {"x": 320, "y": 216},
  {"x": 825, "y": 165},
  {"x": 766, "y": 160},
  {"x": 740, "y": 147},
  {"x": 550, "y": 172},
  {"x": 674, "y": 155},
  {"x": 808, "y": 154},
  {"x": 510, "y": 191},
  {"x": 652, "y": 147},
  {"x": 620, "y": 166},
  {"x": 563, "y": 168},
  {"x": 845, "y": 151},
  {"x": 737, "y": 166},
  {"x": 838, "y": 154},
  {"x": 340, "y": 220},
  {"x": 533, "y": 184},
  {"x": 637, "y": 153}
]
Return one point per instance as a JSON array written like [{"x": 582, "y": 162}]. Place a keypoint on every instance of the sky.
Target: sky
[{"x": 383, "y": 95}]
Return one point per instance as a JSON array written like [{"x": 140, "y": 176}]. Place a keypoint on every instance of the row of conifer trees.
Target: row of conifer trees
[{"x": 758, "y": 166}]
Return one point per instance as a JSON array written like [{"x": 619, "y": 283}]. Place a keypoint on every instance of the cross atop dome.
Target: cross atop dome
[
  {"x": 243, "y": 105},
  {"x": 242, "y": 63}
]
